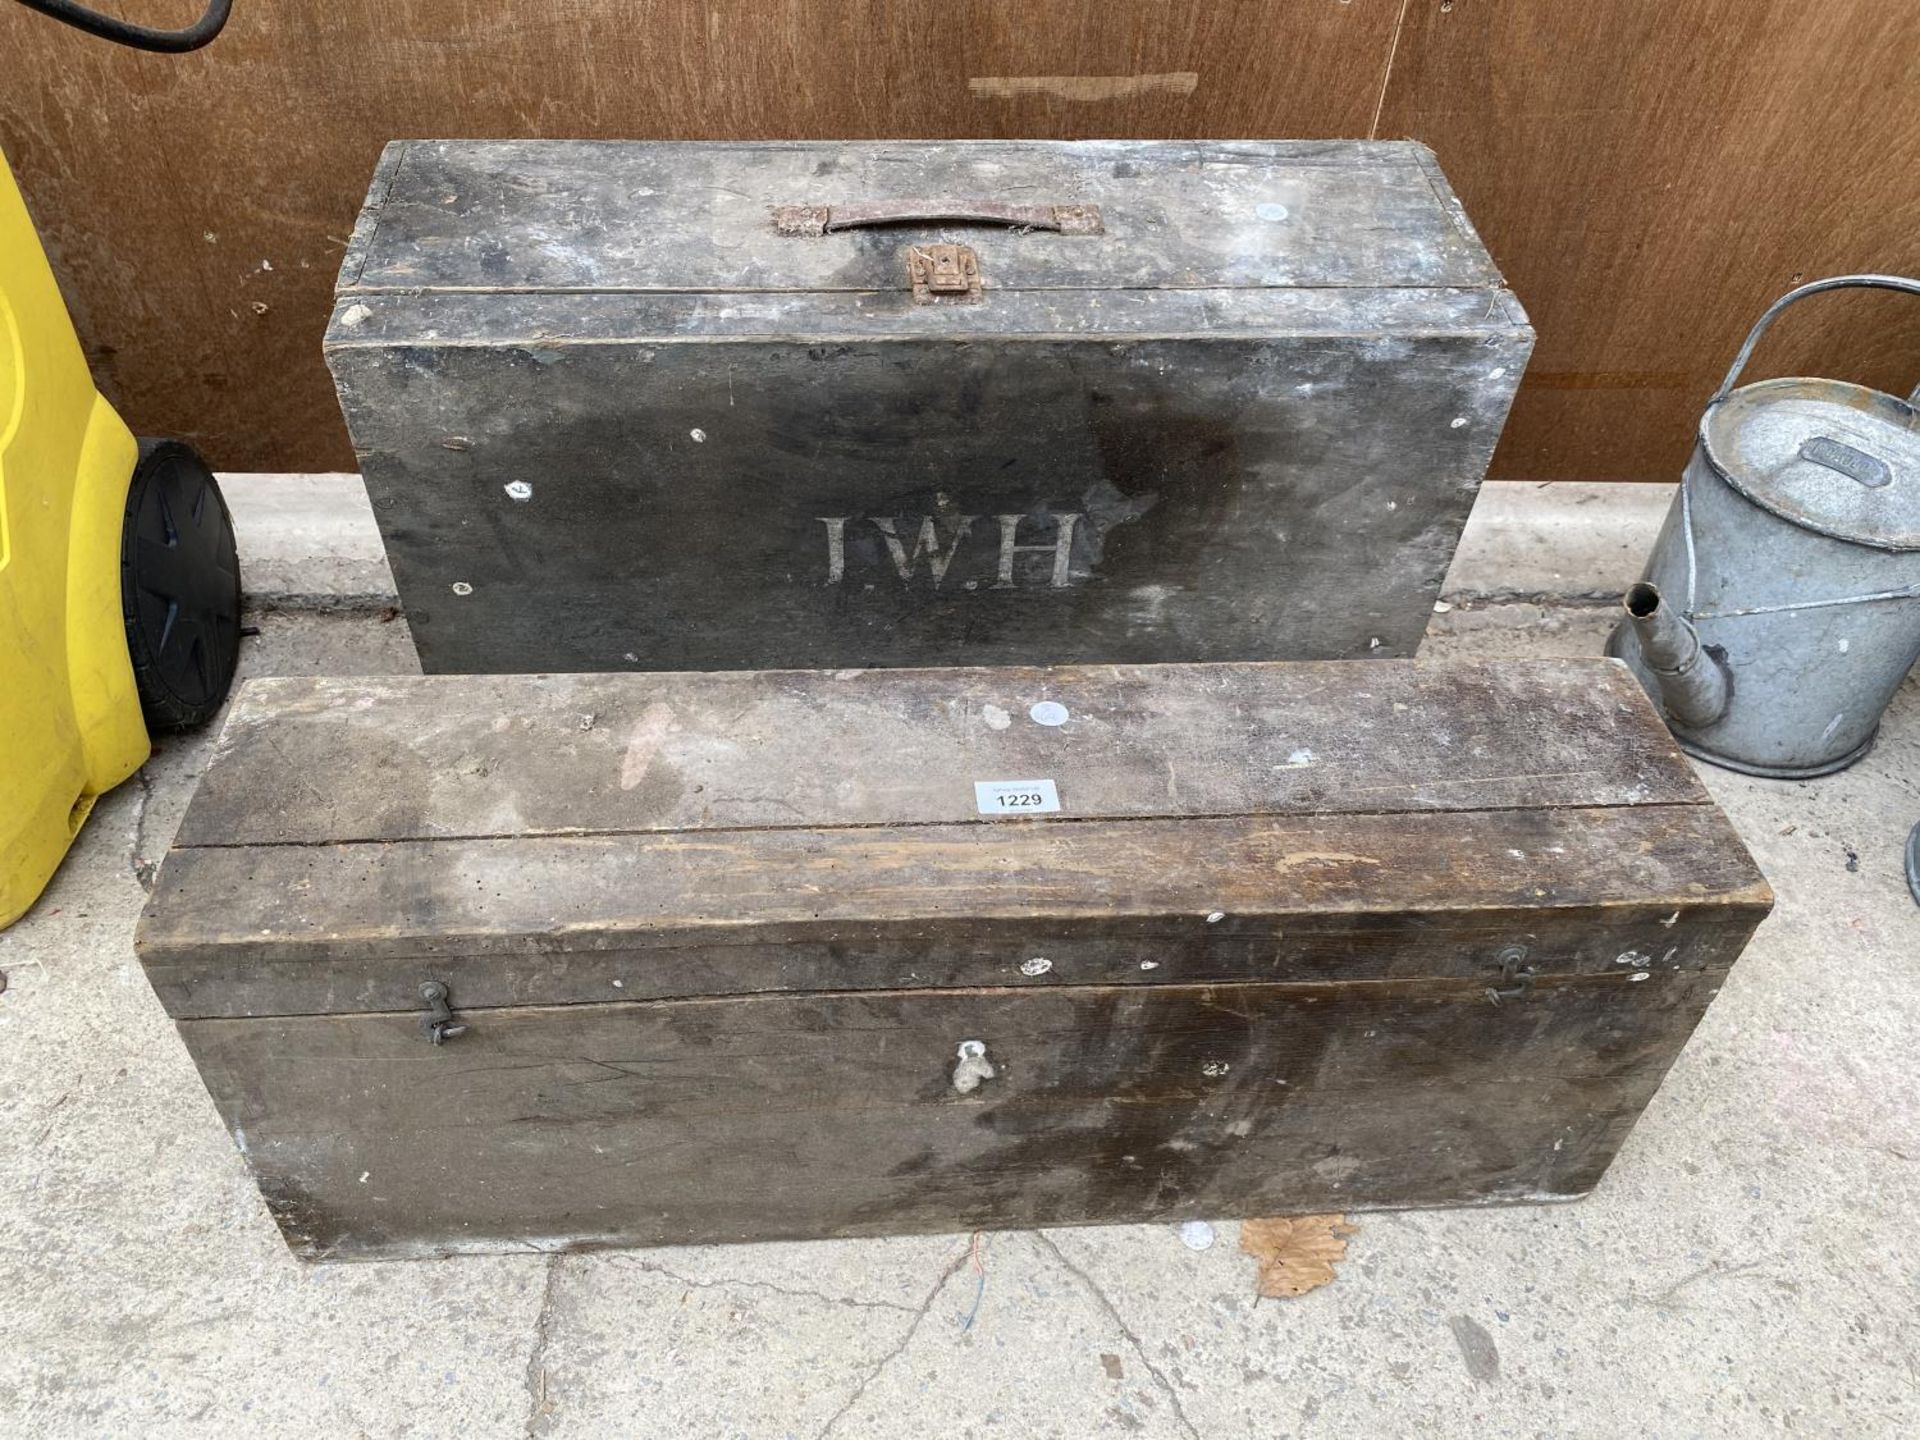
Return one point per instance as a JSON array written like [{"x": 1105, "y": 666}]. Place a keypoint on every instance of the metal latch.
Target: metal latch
[
  {"x": 949, "y": 273},
  {"x": 439, "y": 1021},
  {"x": 1516, "y": 975}
]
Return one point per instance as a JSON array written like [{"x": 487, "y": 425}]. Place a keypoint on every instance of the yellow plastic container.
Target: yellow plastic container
[{"x": 71, "y": 726}]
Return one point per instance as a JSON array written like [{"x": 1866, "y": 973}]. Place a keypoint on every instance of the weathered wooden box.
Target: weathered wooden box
[
  {"x": 705, "y": 950},
  {"x": 678, "y": 406}
]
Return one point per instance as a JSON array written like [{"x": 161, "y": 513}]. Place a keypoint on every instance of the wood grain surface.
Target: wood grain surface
[
  {"x": 1298, "y": 937},
  {"x": 505, "y": 217},
  {"x": 1651, "y": 176},
  {"x": 842, "y": 497},
  {"x": 761, "y": 1118},
  {"x": 330, "y": 760},
  {"x": 1648, "y": 173},
  {"x": 302, "y": 929},
  {"x": 581, "y": 838}
]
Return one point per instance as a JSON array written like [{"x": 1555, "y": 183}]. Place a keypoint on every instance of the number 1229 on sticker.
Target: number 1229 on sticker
[{"x": 1016, "y": 797}]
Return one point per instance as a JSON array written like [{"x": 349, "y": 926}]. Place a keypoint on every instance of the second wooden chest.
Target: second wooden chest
[{"x": 475, "y": 963}]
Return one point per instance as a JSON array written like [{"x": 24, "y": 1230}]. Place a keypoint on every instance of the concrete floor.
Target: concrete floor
[{"x": 1749, "y": 1267}]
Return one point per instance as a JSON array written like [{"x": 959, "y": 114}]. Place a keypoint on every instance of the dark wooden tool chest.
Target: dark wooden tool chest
[
  {"x": 708, "y": 406},
  {"x": 704, "y": 951}
]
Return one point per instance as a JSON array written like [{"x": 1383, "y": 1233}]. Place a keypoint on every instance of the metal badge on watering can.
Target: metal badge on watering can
[{"x": 1781, "y": 608}]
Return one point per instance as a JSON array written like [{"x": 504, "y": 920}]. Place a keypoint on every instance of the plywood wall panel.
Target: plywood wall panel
[{"x": 1650, "y": 176}]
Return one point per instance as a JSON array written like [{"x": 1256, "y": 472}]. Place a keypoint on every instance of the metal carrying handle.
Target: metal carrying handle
[
  {"x": 825, "y": 219},
  {"x": 1813, "y": 287}
]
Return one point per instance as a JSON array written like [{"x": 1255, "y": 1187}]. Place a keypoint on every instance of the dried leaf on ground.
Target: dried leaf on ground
[{"x": 1296, "y": 1253}]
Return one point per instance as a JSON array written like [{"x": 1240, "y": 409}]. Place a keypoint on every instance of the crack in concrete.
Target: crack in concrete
[
  {"x": 1113, "y": 1313},
  {"x": 47, "y": 1129},
  {"x": 920, "y": 1313},
  {"x": 353, "y": 603},
  {"x": 731, "y": 1283},
  {"x": 536, "y": 1381},
  {"x": 1545, "y": 599},
  {"x": 1668, "y": 1299},
  {"x": 142, "y": 869}
]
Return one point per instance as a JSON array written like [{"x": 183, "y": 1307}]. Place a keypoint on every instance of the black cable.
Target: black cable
[{"x": 140, "y": 37}]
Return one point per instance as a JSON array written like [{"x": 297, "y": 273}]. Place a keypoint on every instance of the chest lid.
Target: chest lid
[
  {"x": 782, "y": 217},
  {"x": 572, "y": 838}
]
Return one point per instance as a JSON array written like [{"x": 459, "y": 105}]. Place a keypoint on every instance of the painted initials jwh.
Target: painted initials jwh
[{"x": 926, "y": 545}]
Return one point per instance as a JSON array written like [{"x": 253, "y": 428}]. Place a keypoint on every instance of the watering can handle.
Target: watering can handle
[{"x": 1814, "y": 287}]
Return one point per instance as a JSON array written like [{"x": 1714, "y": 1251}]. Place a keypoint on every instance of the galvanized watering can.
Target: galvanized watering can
[{"x": 1781, "y": 608}]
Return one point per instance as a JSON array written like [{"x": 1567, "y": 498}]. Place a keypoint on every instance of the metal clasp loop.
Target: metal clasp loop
[
  {"x": 1516, "y": 975},
  {"x": 439, "y": 1021}
]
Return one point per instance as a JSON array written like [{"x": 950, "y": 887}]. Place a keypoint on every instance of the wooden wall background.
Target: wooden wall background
[{"x": 1649, "y": 173}]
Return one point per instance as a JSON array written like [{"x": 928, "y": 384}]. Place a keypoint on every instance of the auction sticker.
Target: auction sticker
[{"x": 1016, "y": 797}]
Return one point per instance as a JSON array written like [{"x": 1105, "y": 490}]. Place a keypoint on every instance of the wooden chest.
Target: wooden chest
[
  {"x": 678, "y": 406},
  {"x": 729, "y": 956}
]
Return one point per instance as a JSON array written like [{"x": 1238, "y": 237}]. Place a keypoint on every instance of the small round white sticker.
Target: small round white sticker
[{"x": 1048, "y": 712}]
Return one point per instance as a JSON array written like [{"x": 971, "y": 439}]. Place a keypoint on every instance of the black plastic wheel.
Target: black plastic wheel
[{"x": 179, "y": 587}]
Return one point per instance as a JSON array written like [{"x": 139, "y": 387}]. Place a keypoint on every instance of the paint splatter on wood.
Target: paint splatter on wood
[{"x": 649, "y": 733}]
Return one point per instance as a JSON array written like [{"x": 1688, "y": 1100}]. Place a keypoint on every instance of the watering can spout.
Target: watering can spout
[{"x": 1692, "y": 682}]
